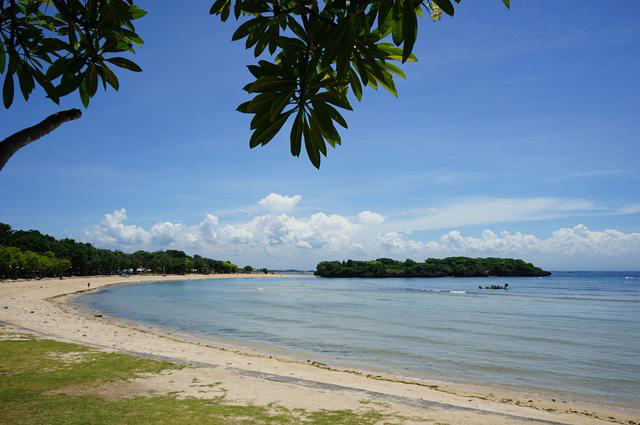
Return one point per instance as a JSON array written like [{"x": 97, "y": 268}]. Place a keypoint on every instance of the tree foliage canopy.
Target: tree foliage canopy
[
  {"x": 65, "y": 46},
  {"x": 432, "y": 267},
  {"x": 29, "y": 253},
  {"x": 323, "y": 50}
]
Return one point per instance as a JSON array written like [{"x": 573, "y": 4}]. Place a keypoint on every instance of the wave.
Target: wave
[{"x": 443, "y": 291}]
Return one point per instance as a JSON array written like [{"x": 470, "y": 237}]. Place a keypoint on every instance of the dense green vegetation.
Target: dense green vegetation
[
  {"x": 432, "y": 267},
  {"x": 34, "y": 375},
  {"x": 29, "y": 254}
]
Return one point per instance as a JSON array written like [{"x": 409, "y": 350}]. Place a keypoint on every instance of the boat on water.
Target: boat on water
[{"x": 505, "y": 287}]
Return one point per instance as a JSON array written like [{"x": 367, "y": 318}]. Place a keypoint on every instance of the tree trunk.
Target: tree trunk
[{"x": 22, "y": 138}]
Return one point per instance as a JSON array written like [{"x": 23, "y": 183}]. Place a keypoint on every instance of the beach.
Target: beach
[{"x": 261, "y": 377}]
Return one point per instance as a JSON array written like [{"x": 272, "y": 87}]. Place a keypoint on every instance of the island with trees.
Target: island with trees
[
  {"x": 31, "y": 254},
  {"x": 432, "y": 267}
]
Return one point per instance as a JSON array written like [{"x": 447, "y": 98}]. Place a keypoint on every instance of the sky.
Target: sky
[{"x": 516, "y": 134}]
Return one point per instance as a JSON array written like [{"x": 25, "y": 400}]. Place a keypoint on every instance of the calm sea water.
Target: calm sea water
[{"x": 574, "y": 333}]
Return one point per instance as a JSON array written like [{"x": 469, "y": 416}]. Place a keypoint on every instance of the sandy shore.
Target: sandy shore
[{"x": 249, "y": 376}]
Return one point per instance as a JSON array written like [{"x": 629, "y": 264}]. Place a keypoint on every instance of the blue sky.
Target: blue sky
[{"x": 524, "y": 121}]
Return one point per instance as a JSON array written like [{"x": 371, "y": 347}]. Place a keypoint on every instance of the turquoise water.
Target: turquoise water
[{"x": 575, "y": 333}]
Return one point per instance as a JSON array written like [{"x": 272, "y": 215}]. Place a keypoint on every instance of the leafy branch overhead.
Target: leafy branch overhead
[
  {"x": 321, "y": 51},
  {"x": 65, "y": 45}
]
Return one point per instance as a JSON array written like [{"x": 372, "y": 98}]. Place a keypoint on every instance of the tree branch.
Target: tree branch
[{"x": 22, "y": 138}]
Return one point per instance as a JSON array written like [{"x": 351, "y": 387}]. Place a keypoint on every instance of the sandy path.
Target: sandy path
[{"x": 246, "y": 375}]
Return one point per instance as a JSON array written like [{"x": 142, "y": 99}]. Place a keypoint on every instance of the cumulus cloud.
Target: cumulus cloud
[
  {"x": 276, "y": 203},
  {"x": 113, "y": 231},
  {"x": 279, "y": 239},
  {"x": 571, "y": 241},
  {"x": 368, "y": 217}
]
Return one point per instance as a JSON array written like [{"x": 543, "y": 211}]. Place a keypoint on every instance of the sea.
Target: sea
[{"x": 571, "y": 333}]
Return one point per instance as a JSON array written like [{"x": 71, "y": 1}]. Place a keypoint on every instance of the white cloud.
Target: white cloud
[
  {"x": 479, "y": 211},
  {"x": 284, "y": 240},
  {"x": 277, "y": 203},
  {"x": 113, "y": 231},
  {"x": 577, "y": 240},
  {"x": 630, "y": 209},
  {"x": 368, "y": 217}
]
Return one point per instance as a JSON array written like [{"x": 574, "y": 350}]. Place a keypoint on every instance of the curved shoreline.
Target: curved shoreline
[{"x": 43, "y": 307}]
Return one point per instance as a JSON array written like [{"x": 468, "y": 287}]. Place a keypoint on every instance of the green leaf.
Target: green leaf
[
  {"x": 111, "y": 77},
  {"x": 334, "y": 100},
  {"x": 244, "y": 29},
  {"x": 136, "y": 12},
  {"x": 261, "y": 103},
  {"x": 409, "y": 29},
  {"x": 384, "y": 10},
  {"x": 261, "y": 120},
  {"x": 333, "y": 113},
  {"x": 218, "y": 6},
  {"x": 296, "y": 134},
  {"x": 312, "y": 151},
  {"x": 395, "y": 70},
  {"x": 394, "y": 53},
  {"x": 263, "y": 137},
  {"x": 262, "y": 85},
  {"x": 322, "y": 120},
  {"x": 91, "y": 80},
  {"x": 224, "y": 15},
  {"x": 26, "y": 82},
  {"x": 46, "y": 85},
  {"x": 67, "y": 85},
  {"x": 57, "y": 68},
  {"x": 316, "y": 138},
  {"x": 257, "y": 71},
  {"x": 125, "y": 63},
  {"x": 243, "y": 107},
  {"x": 355, "y": 84},
  {"x": 84, "y": 94},
  {"x": 7, "y": 90},
  {"x": 279, "y": 104},
  {"x": 396, "y": 32},
  {"x": 507, "y": 3},
  {"x": 362, "y": 70},
  {"x": 3, "y": 58}
]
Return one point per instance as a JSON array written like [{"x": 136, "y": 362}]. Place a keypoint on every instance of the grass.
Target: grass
[{"x": 32, "y": 369}]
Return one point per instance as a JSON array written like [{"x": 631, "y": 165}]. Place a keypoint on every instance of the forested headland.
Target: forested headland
[
  {"x": 31, "y": 254},
  {"x": 432, "y": 267}
]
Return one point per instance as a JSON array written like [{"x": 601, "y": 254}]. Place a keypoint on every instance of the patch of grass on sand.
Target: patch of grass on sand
[{"x": 32, "y": 369}]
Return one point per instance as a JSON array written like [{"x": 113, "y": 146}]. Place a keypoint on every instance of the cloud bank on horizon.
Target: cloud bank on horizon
[{"x": 280, "y": 238}]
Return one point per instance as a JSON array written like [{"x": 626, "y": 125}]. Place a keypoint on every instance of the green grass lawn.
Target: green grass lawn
[{"x": 32, "y": 369}]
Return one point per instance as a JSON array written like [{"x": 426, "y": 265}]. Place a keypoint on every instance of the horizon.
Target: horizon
[{"x": 510, "y": 137}]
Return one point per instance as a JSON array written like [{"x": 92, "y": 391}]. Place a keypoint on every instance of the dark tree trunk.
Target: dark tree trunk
[{"x": 22, "y": 138}]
